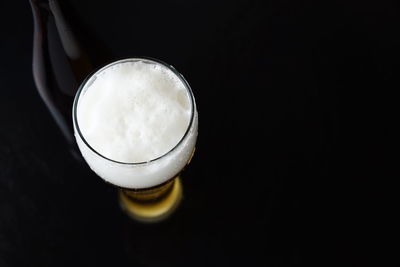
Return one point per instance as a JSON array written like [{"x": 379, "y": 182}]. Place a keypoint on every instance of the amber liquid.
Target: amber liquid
[{"x": 152, "y": 205}]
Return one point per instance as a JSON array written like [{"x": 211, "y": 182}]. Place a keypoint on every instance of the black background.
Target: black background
[{"x": 296, "y": 159}]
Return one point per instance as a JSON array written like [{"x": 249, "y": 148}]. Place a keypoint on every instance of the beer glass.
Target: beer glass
[{"x": 149, "y": 191}]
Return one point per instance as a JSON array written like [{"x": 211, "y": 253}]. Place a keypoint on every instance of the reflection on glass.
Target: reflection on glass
[{"x": 135, "y": 122}]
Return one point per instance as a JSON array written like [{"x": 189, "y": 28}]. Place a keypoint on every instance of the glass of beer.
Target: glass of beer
[{"x": 135, "y": 123}]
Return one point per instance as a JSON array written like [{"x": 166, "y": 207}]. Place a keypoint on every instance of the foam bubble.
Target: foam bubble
[{"x": 135, "y": 111}]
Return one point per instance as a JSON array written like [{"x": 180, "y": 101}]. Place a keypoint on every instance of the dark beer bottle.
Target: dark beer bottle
[{"x": 59, "y": 64}]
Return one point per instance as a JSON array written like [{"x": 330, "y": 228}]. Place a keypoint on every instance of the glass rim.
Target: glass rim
[{"x": 103, "y": 67}]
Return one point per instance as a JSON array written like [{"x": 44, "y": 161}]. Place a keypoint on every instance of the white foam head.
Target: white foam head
[{"x": 135, "y": 122}]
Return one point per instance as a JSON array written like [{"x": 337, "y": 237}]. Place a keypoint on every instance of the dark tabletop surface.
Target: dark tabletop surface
[{"x": 296, "y": 158}]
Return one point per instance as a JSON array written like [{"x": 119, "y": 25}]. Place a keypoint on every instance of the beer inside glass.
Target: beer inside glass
[{"x": 149, "y": 189}]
